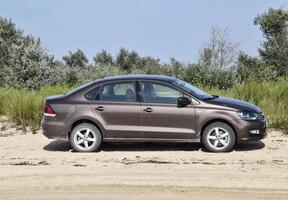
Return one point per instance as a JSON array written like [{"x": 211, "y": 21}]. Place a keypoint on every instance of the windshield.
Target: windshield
[{"x": 191, "y": 89}]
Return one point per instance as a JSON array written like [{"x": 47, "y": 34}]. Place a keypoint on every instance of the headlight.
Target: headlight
[{"x": 248, "y": 115}]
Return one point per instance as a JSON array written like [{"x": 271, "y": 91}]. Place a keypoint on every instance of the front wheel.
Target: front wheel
[
  {"x": 85, "y": 138},
  {"x": 218, "y": 137}
]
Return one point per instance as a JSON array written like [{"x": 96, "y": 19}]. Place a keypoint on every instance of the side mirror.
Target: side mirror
[{"x": 183, "y": 101}]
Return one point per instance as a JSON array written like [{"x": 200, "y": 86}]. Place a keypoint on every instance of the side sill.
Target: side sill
[{"x": 148, "y": 140}]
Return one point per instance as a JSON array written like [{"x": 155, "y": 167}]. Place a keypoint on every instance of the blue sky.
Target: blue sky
[{"x": 160, "y": 28}]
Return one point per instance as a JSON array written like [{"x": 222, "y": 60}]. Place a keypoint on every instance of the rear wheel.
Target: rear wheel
[
  {"x": 85, "y": 138},
  {"x": 219, "y": 137}
]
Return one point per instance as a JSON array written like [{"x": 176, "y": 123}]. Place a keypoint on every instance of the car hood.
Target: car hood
[{"x": 235, "y": 103}]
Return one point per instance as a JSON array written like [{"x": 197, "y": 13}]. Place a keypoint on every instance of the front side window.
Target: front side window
[
  {"x": 159, "y": 93},
  {"x": 123, "y": 92}
]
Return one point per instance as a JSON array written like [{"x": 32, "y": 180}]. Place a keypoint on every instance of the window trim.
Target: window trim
[
  {"x": 139, "y": 97},
  {"x": 115, "y": 82}
]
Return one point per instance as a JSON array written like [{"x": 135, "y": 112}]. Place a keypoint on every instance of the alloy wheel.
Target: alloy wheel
[
  {"x": 218, "y": 138},
  {"x": 84, "y": 139}
]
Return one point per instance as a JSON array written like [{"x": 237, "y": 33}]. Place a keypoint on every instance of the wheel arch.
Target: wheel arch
[
  {"x": 207, "y": 123},
  {"x": 85, "y": 120}
]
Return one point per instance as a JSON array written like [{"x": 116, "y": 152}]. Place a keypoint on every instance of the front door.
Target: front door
[
  {"x": 161, "y": 118},
  {"x": 117, "y": 109}
]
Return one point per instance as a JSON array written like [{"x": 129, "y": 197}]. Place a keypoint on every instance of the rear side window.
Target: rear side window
[
  {"x": 91, "y": 95},
  {"x": 122, "y": 92}
]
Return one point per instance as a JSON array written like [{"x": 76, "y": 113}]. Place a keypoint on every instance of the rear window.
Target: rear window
[{"x": 121, "y": 91}]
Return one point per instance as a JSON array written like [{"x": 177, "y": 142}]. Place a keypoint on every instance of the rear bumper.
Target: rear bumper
[
  {"x": 251, "y": 130},
  {"x": 54, "y": 129}
]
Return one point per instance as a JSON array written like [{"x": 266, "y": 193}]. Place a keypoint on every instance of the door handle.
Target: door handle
[
  {"x": 148, "y": 110},
  {"x": 99, "y": 108}
]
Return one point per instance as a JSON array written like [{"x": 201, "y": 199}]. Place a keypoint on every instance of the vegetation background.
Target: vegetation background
[{"x": 28, "y": 73}]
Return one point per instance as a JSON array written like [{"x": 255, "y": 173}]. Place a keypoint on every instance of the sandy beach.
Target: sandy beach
[{"x": 34, "y": 167}]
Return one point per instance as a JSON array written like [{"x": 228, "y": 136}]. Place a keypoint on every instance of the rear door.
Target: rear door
[
  {"x": 161, "y": 118},
  {"x": 117, "y": 109}
]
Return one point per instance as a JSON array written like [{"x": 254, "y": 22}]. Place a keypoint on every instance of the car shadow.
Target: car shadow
[
  {"x": 249, "y": 146},
  {"x": 151, "y": 146},
  {"x": 58, "y": 145},
  {"x": 64, "y": 145}
]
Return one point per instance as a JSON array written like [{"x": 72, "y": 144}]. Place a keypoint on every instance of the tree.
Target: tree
[
  {"x": 9, "y": 35},
  {"x": 76, "y": 60},
  {"x": 23, "y": 61},
  {"x": 148, "y": 62},
  {"x": 31, "y": 65},
  {"x": 177, "y": 67},
  {"x": 252, "y": 68},
  {"x": 220, "y": 51},
  {"x": 103, "y": 58},
  {"x": 206, "y": 56},
  {"x": 274, "y": 25},
  {"x": 127, "y": 60}
]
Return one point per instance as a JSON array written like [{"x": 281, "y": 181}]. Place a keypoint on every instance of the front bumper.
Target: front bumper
[{"x": 251, "y": 130}]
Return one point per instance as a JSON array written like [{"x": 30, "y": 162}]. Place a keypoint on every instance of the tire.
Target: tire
[
  {"x": 218, "y": 137},
  {"x": 85, "y": 138}
]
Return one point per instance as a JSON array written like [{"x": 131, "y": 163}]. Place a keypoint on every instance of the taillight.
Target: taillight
[{"x": 48, "y": 111}]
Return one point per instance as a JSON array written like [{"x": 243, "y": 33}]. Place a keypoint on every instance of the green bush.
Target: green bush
[{"x": 209, "y": 76}]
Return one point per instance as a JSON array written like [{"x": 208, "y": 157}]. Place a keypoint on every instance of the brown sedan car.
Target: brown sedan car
[{"x": 150, "y": 108}]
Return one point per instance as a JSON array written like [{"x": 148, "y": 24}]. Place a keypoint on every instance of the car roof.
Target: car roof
[{"x": 137, "y": 77}]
